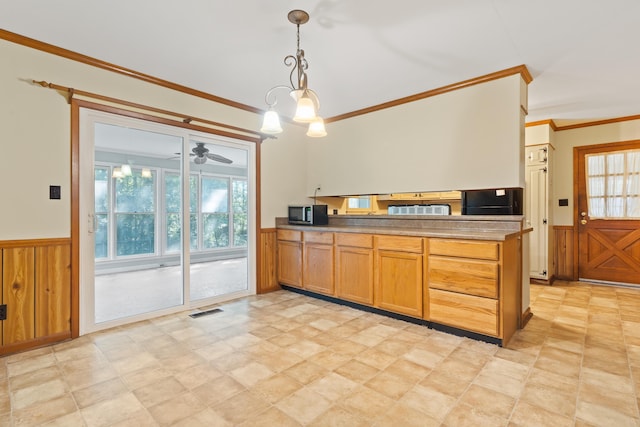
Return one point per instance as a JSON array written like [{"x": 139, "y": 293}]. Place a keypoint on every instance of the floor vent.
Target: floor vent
[{"x": 204, "y": 313}]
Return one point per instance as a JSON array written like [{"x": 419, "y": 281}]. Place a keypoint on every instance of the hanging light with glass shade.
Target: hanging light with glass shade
[{"x": 307, "y": 102}]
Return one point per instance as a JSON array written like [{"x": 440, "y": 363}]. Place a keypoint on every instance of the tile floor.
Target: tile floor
[{"x": 283, "y": 359}]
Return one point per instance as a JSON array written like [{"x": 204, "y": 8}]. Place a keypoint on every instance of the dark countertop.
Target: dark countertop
[{"x": 451, "y": 226}]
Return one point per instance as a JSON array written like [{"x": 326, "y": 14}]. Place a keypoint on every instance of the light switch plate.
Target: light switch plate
[{"x": 54, "y": 192}]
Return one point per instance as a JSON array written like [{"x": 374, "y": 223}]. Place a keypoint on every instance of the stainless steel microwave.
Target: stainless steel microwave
[{"x": 308, "y": 215}]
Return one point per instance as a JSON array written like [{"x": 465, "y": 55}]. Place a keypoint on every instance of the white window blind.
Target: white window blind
[{"x": 613, "y": 184}]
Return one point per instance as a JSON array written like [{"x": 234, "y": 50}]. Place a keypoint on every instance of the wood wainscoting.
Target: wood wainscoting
[
  {"x": 268, "y": 280},
  {"x": 35, "y": 278},
  {"x": 564, "y": 252}
]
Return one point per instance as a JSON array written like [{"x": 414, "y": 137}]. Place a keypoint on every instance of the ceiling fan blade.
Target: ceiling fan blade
[
  {"x": 199, "y": 160},
  {"x": 219, "y": 158}
]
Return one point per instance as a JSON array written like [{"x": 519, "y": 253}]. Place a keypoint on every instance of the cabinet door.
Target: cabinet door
[
  {"x": 536, "y": 213},
  {"x": 399, "y": 282},
  {"x": 18, "y": 293},
  {"x": 354, "y": 274},
  {"x": 468, "y": 312},
  {"x": 53, "y": 290},
  {"x": 290, "y": 263},
  {"x": 317, "y": 273}
]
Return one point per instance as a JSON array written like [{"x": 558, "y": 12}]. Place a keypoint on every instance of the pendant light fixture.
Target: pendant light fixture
[{"x": 307, "y": 103}]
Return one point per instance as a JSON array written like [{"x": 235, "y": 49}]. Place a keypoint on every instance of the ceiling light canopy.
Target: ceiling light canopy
[{"x": 307, "y": 103}]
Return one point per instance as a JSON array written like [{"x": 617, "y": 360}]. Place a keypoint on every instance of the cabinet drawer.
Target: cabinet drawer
[
  {"x": 473, "y": 277},
  {"x": 354, "y": 240},
  {"x": 325, "y": 237},
  {"x": 400, "y": 243},
  {"x": 464, "y": 248},
  {"x": 292, "y": 235},
  {"x": 464, "y": 311}
]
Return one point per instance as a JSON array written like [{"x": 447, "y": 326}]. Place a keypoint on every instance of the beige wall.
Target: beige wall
[
  {"x": 470, "y": 138},
  {"x": 35, "y": 125},
  {"x": 564, "y": 141}
]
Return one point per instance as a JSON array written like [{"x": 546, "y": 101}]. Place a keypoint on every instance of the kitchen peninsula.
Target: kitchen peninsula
[{"x": 459, "y": 274}]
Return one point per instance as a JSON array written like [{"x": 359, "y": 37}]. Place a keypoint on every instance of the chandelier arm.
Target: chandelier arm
[{"x": 270, "y": 95}]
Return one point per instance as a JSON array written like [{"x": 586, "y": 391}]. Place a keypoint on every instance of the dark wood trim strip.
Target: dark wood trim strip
[
  {"x": 34, "y": 343},
  {"x": 34, "y": 242},
  {"x": 185, "y": 118},
  {"x": 556, "y": 127},
  {"x": 599, "y": 122},
  {"x": 549, "y": 122},
  {"x": 74, "y": 56},
  {"x": 520, "y": 69},
  {"x": 526, "y": 316}
]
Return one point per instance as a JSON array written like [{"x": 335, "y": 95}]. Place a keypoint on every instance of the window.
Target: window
[
  {"x": 101, "y": 211},
  {"x": 359, "y": 204},
  {"x": 613, "y": 184},
  {"x": 240, "y": 212},
  {"x": 218, "y": 213},
  {"x": 135, "y": 214}
]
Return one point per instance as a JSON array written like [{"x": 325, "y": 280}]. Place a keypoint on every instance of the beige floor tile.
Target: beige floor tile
[
  {"x": 45, "y": 411},
  {"x": 338, "y": 416},
  {"x": 527, "y": 415},
  {"x": 404, "y": 415},
  {"x": 452, "y": 385},
  {"x": 333, "y": 386},
  {"x": 429, "y": 401},
  {"x": 603, "y": 416},
  {"x": 159, "y": 391},
  {"x": 305, "y": 372},
  {"x": 276, "y": 388},
  {"x": 488, "y": 402},
  {"x": 218, "y": 390},
  {"x": 99, "y": 392},
  {"x": 463, "y": 415},
  {"x": 556, "y": 401},
  {"x": 241, "y": 407},
  {"x": 269, "y": 418},
  {"x": 289, "y": 360},
  {"x": 367, "y": 403},
  {"x": 175, "y": 409},
  {"x": 357, "y": 371},
  {"x": 390, "y": 385},
  {"x": 304, "y": 405},
  {"x": 111, "y": 411}
]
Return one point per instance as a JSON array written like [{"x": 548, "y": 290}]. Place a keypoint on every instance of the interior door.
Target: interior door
[{"x": 608, "y": 247}]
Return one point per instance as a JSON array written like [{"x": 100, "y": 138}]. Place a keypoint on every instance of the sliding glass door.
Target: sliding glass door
[{"x": 168, "y": 219}]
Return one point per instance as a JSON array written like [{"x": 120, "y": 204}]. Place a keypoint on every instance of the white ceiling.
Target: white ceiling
[{"x": 582, "y": 54}]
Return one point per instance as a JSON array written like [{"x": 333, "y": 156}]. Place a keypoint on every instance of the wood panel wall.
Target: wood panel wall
[
  {"x": 36, "y": 288},
  {"x": 268, "y": 281},
  {"x": 564, "y": 252}
]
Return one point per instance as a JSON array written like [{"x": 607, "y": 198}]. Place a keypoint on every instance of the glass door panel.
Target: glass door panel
[
  {"x": 218, "y": 262},
  {"x": 137, "y": 222}
]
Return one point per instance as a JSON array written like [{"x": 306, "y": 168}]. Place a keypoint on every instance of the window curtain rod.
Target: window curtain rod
[{"x": 71, "y": 92}]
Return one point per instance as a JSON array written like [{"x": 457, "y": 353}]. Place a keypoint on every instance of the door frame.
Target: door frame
[
  {"x": 578, "y": 153},
  {"x": 76, "y": 105}
]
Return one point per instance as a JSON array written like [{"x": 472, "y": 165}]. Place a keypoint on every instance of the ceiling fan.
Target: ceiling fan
[{"x": 201, "y": 154}]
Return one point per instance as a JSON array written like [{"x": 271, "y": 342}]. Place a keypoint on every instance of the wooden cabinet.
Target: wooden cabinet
[
  {"x": 35, "y": 284},
  {"x": 289, "y": 257},
  {"x": 317, "y": 269},
  {"x": 354, "y": 267},
  {"x": 471, "y": 285},
  {"x": 398, "y": 279},
  {"x": 474, "y": 285}
]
